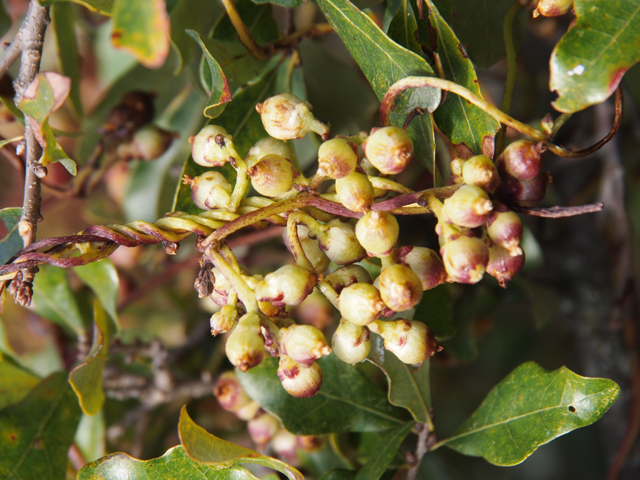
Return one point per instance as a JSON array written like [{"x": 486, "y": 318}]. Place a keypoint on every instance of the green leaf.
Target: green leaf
[
  {"x": 339, "y": 474},
  {"x": 43, "y": 96},
  {"x": 12, "y": 242},
  {"x": 141, "y": 27},
  {"x": 281, "y": 3},
  {"x": 91, "y": 436},
  {"x": 208, "y": 449},
  {"x": 54, "y": 300},
  {"x": 529, "y": 408},
  {"x": 16, "y": 383},
  {"x": 409, "y": 387},
  {"x": 242, "y": 121},
  {"x": 5, "y": 20},
  {"x": 403, "y": 28},
  {"x": 173, "y": 464},
  {"x": 102, "y": 278},
  {"x": 479, "y": 23},
  {"x": 258, "y": 19},
  {"x": 219, "y": 93},
  {"x": 86, "y": 378},
  {"x": 37, "y": 432},
  {"x": 386, "y": 450},
  {"x": 436, "y": 310},
  {"x": 102, "y": 6},
  {"x": 63, "y": 17},
  {"x": 590, "y": 60},
  {"x": 347, "y": 400},
  {"x": 466, "y": 125}
]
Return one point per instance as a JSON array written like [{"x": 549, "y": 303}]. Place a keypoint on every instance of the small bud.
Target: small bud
[
  {"x": 344, "y": 277},
  {"x": 229, "y": 393},
  {"x": 425, "y": 263},
  {"x": 262, "y": 428},
  {"x": 377, "y": 232},
  {"x": 212, "y": 147},
  {"x": 468, "y": 207},
  {"x": 337, "y": 158},
  {"x": 209, "y": 190},
  {"x": 310, "y": 443},
  {"x": 389, "y": 149},
  {"x": 552, "y": 8},
  {"x": 457, "y": 166},
  {"x": 285, "y": 446},
  {"x": 523, "y": 193},
  {"x": 245, "y": 345},
  {"x": 289, "y": 285},
  {"x": 400, "y": 288},
  {"x": 522, "y": 159},
  {"x": 297, "y": 380},
  {"x": 411, "y": 341},
  {"x": 272, "y": 175},
  {"x": 350, "y": 342},
  {"x": 223, "y": 320},
  {"x": 503, "y": 265},
  {"x": 267, "y": 146},
  {"x": 40, "y": 170},
  {"x": 286, "y": 117},
  {"x": 339, "y": 242},
  {"x": 304, "y": 344},
  {"x": 355, "y": 192},
  {"x": 465, "y": 259},
  {"x": 481, "y": 172},
  {"x": 505, "y": 229},
  {"x": 361, "y": 303},
  {"x": 221, "y": 288}
]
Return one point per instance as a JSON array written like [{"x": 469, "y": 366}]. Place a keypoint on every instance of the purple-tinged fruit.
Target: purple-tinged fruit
[
  {"x": 223, "y": 320},
  {"x": 262, "y": 428},
  {"x": 268, "y": 146},
  {"x": 481, "y": 172},
  {"x": 505, "y": 229},
  {"x": 272, "y": 175},
  {"x": 377, "y": 232},
  {"x": 468, "y": 207},
  {"x": 229, "y": 393},
  {"x": 465, "y": 259},
  {"x": 245, "y": 345},
  {"x": 523, "y": 193},
  {"x": 297, "y": 380},
  {"x": 289, "y": 285},
  {"x": 351, "y": 343},
  {"x": 355, "y": 192},
  {"x": 522, "y": 159},
  {"x": 389, "y": 149},
  {"x": 425, "y": 263},
  {"x": 212, "y": 147},
  {"x": 411, "y": 341},
  {"x": 361, "y": 303},
  {"x": 400, "y": 288},
  {"x": 210, "y": 190},
  {"x": 503, "y": 265},
  {"x": 552, "y": 8},
  {"x": 336, "y": 158},
  {"x": 344, "y": 277},
  {"x": 338, "y": 240},
  {"x": 286, "y": 117},
  {"x": 304, "y": 344}
]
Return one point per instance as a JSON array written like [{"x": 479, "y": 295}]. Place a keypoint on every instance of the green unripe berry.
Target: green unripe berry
[
  {"x": 212, "y": 147},
  {"x": 377, "y": 232},
  {"x": 338, "y": 240},
  {"x": 245, "y": 345},
  {"x": 303, "y": 343},
  {"x": 400, "y": 288},
  {"x": 286, "y": 117},
  {"x": 344, "y": 277},
  {"x": 209, "y": 191},
  {"x": 147, "y": 143},
  {"x": 411, "y": 341},
  {"x": 389, "y": 149},
  {"x": 268, "y": 146},
  {"x": 297, "y": 380},
  {"x": 289, "y": 285},
  {"x": 351, "y": 343},
  {"x": 465, "y": 259},
  {"x": 468, "y": 207},
  {"x": 315, "y": 254},
  {"x": 223, "y": 320},
  {"x": 272, "y": 175},
  {"x": 336, "y": 158},
  {"x": 355, "y": 192},
  {"x": 360, "y": 303},
  {"x": 481, "y": 172}
]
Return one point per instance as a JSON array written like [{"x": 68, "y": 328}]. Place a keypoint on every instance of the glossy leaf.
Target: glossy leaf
[
  {"x": 479, "y": 23},
  {"x": 347, "y": 400},
  {"x": 242, "y": 121},
  {"x": 467, "y": 126},
  {"x": 208, "y": 449},
  {"x": 86, "y": 378},
  {"x": 409, "y": 387},
  {"x": 590, "y": 60},
  {"x": 219, "y": 93},
  {"x": 436, "y": 310},
  {"x": 43, "y": 96},
  {"x": 173, "y": 464},
  {"x": 403, "y": 27},
  {"x": 12, "y": 242},
  {"x": 102, "y": 6},
  {"x": 386, "y": 450},
  {"x": 102, "y": 278},
  {"x": 37, "y": 432},
  {"x": 63, "y": 17},
  {"x": 16, "y": 383},
  {"x": 54, "y": 300},
  {"x": 529, "y": 408},
  {"x": 142, "y": 28}
]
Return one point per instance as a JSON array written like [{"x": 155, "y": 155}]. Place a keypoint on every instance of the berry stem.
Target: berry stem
[
  {"x": 245, "y": 293},
  {"x": 294, "y": 242}
]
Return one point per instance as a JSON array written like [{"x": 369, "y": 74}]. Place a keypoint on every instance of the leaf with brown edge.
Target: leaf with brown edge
[
  {"x": 208, "y": 449},
  {"x": 142, "y": 28}
]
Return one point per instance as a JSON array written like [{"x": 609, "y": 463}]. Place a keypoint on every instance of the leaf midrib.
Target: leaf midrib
[{"x": 361, "y": 407}]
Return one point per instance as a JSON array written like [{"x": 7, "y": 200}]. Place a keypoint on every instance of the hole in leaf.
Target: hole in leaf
[{"x": 572, "y": 408}]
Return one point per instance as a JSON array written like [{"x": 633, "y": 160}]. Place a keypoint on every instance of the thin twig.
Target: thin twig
[
  {"x": 421, "y": 449},
  {"x": 243, "y": 32},
  {"x": 560, "y": 212}
]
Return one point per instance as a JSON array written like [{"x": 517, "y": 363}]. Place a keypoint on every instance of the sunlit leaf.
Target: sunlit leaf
[
  {"x": 37, "y": 432},
  {"x": 86, "y": 378},
  {"x": 208, "y": 449},
  {"x": 142, "y": 28},
  {"x": 102, "y": 278},
  {"x": 529, "y": 408},
  {"x": 12, "y": 242},
  {"x": 16, "y": 382},
  {"x": 173, "y": 464},
  {"x": 409, "y": 387},
  {"x": 347, "y": 400},
  {"x": 590, "y": 60},
  {"x": 63, "y": 16}
]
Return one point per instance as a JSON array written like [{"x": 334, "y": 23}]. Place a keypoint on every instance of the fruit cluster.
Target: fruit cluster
[{"x": 477, "y": 233}]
